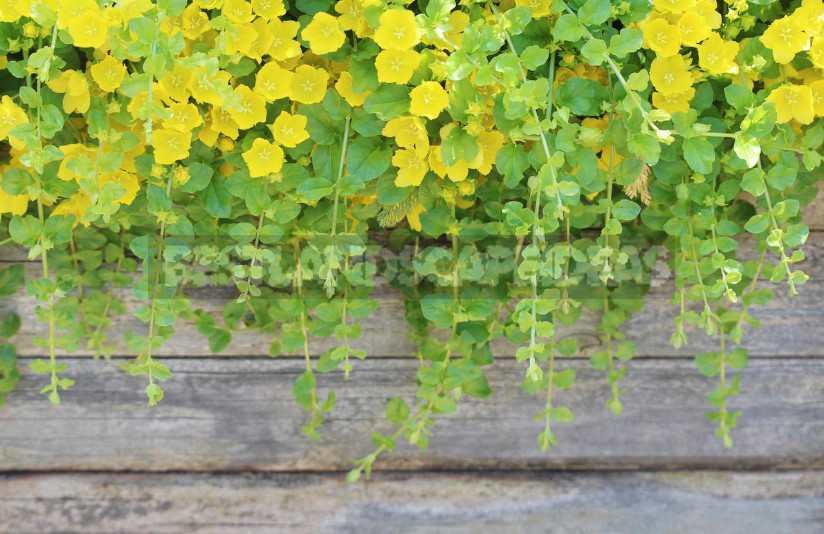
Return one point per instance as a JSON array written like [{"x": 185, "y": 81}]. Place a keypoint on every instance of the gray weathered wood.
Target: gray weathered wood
[
  {"x": 238, "y": 413},
  {"x": 729, "y": 502},
  {"x": 650, "y": 329}
]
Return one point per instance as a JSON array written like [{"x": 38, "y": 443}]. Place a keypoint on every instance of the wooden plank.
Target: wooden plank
[
  {"x": 729, "y": 502},
  {"x": 238, "y": 413},
  {"x": 650, "y": 329}
]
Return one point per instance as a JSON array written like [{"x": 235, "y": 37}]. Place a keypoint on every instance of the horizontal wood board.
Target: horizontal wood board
[
  {"x": 382, "y": 334},
  {"x": 423, "y": 503},
  {"x": 238, "y": 414}
]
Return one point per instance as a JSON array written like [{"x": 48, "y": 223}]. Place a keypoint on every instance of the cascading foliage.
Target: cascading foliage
[{"x": 525, "y": 160}]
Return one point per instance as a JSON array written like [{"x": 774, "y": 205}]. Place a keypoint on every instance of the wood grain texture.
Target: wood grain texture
[
  {"x": 424, "y": 503},
  {"x": 651, "y": 329},
  {"x": 238, "y": 413}
]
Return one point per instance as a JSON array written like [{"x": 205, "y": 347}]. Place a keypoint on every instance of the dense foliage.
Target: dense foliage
[{"x": 531, "y": 158}]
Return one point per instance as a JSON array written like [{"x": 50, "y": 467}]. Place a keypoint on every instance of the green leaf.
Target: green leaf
[
  {"x": 511, "y": 161},
  {"x": 582, "y": 96},
  {"x": 595, "y": 12},
  {"x": 562, "y": 414},
  {"x": 435, "y": 222},
  {"x": 397, "y": 411},
  {"x": 10, "y": 325},
  {"x": 737, "y": 358},
  {"x": 760, "y": 121},
  {"x": 516, "y": 19},
  {"x": 567, "y": 28},
  {"x": 748, "y": 149},
  {"x": 459, "y": 145},
  {"x": 739, "y": 97},
  {"x": 10, "y": 280},
  {"x": 439, "y": 309},
  {"x": 316, "y": 188},
  {"x": 645, "y": 145},
  {"x": 708, "y": 363},
  {"x": 625, "y": 210},
  {"x": 758, "y": 223},
  {"x": 593, "y": 51},
  {"x": 534, "y": 56},
  {"x": 322, "y": 128},
  {"x": 564, "y": 379},
  {"x": 626, "y": 42},
  {"x": 388, "y": 101},
  {"x": 368, "y": 158},
  {"x": 753, "y": 182},
  {"x": 699, "y": 154}
]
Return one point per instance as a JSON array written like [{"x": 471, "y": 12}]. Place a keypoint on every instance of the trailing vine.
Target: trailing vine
[{"x": 505, "y": 167}]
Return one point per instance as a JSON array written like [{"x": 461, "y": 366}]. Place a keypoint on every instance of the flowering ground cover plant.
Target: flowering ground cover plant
[{"x": 533, "y": 157}]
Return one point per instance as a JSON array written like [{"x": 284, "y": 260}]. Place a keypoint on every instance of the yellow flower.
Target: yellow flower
[
  {"x": 674, "y": 102},
  {"x": 204, "y": 89},
  {"x": 184, "y": 118},
  {"x": 76, "y": 205},
  {"x": 669, "y": 75},
  {"x": 817, "y": 52},
  {"x": 263, "y": 43},
  {"x": 176, "y": 83},
  {"x": 409, "y": 132},
  {"x": 308, "y": 84},
  {"x": 284, "y": 45},
  {"x": 222, "y": 122},
  {"x": 89, "y": 30},
  {"x": 14, "y": 204},
  {"x": 238, "y": 11},
  {"x": 170, "y": 145},
  {"x": 240, "y": 39},
  {"x": 10, "y": 116},
  {"x": 456, "y": 173},
  {"x": 273, "y": 82},
  {"x": 250, "y": 110},
  {"x": 674, "y": 6},
  {"x": 785, "y": 38},
  {"x": 194, "y": 22},
  {"x": 717, "y": 56},
  {"x": 208, "y": 135},
  {"x": 128, "y": 180},
  {"x": 396, "y": 66},
  {"x": 72, "y": 9},
  {"x": 344, "y": 88},
  {"x": 414, "y": 217},
  {"x": 351, "y": 16},
  {"x": 108, "y": 73},
  {"x": 490, "y": 142},
  {"x": 268, "y": 9},
  {"x": 540, "y": 8},
  {"x": 793, "y": 102},
  {"x": 8, "y": 13},
  {"x": 817, "y": 89},
  {"x": 693, "y": 28},
  {"x": 324, "y": 34},
  {"x": 707, "y": 9},
  {"x": 76, "y": 90},
  {"x": 397, "y": 30},
  {"x": 209, "y": 4},
  {"x": 131, "y": 9},
  {"x": 411, "y": 168},
  {"x": 428, "y": 100},
  {"x": 662, "y": 37},
  {"x": 811, "y": 17},
  {"x": 263, "y": 158},
  {"x": 289, "y": 130},
  {"x": 71, "y": 152}
]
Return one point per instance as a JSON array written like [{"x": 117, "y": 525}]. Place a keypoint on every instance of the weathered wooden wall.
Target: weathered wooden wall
[{"x": 224, "y": 452}]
